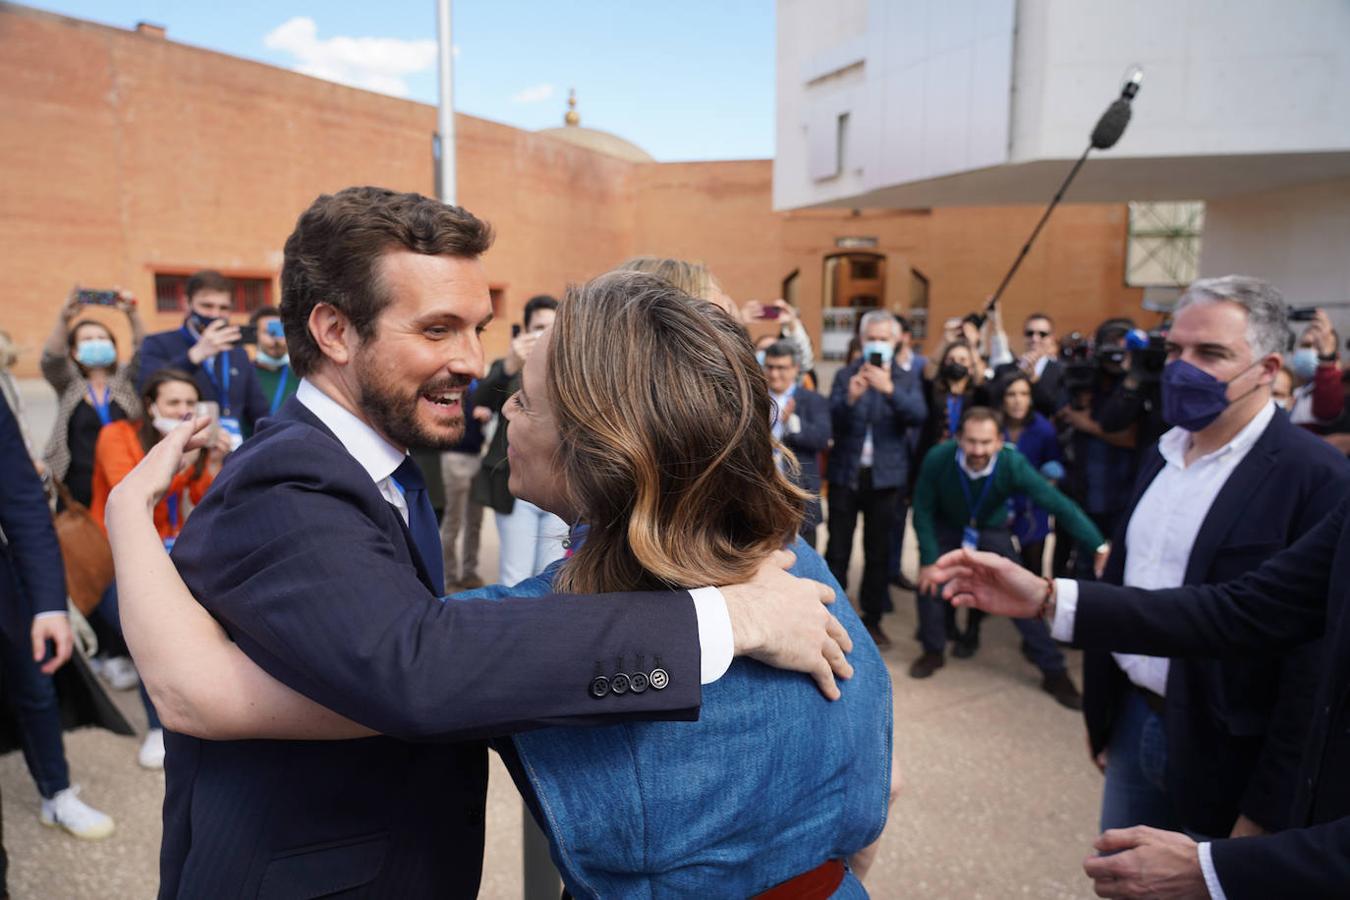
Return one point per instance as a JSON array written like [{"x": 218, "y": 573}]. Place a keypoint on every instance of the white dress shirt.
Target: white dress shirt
[
  {"x": 1159, "y": 540},
  {"x": 380, "y": 458},
  {"x": 1163, "y": 529}
]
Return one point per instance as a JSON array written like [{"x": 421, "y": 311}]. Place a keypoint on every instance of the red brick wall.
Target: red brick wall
[{"x": 127, "y": 153}]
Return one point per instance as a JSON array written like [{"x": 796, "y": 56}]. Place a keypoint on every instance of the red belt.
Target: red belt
[{"x": 818, "y": 884}]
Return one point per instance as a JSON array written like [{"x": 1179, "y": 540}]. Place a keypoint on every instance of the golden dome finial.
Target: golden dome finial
[{"x": 572, "y": 117}]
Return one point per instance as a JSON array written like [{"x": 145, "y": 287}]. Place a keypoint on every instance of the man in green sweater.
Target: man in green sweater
[
  {"x": 961, "y": 499},
  {"x": 272, "y": 362}
]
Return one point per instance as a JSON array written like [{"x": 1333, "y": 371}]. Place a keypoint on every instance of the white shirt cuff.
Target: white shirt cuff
[
  {"x": 1066, "y": 605},
  {"x": 1211, "y": 876},
  {"x": 50, "y": 613},
  {"x": 715, "y": 642}
]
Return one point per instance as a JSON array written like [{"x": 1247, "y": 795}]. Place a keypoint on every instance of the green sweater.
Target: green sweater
[
  {"x": 938, "y": 498},
  {"x": 269, "y": 379}
]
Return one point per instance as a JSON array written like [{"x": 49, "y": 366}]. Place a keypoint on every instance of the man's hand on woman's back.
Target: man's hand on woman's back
[{"x": 781, "y": 620}]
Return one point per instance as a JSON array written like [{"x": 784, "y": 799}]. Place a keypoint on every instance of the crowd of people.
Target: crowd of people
[{"x": 644, "y": 459}]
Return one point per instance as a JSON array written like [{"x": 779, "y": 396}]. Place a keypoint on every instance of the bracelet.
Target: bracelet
[{"x": 1047, "y": 608}]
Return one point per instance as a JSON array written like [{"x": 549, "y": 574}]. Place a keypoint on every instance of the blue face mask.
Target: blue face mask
[
  {"x": 885, "y": 349},
  {"x": 1191, "y": 397},
  {"x": 96, "y": 352},
  {"x": 1304, "y": 363}
]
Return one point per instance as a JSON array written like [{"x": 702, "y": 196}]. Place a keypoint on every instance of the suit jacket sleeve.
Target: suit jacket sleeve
[
  {"x": 1274, "y": 781},
  {"x": 27, "y": 521},
  {"x": 925, "y": 507},
  {"x": 338, "y": 612},
  {"x": 163, "y": 351},
  {"x": 815, "y": 435},
  {"x": 906, "y": 399},
  {"x": 1301, "y": 862},
  {"x": 1283, "y": 603}
]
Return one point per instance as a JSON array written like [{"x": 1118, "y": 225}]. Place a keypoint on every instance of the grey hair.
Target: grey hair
[
  {"x": 1267, "y": 316},
  {"x": 779, "y": 349},
  {"x": 873, "y": 316}
]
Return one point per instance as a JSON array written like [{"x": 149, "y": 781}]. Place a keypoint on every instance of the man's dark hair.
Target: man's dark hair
[
  {"x": 979, "y": 414},
  {"x": 207, "y": 280},
  {"x": 331, "y": 257},
  {"x": 780, "y": 349},
  {"x": 1113, "y": 330},
  {"x": 263, "y": 312},
  {"x": 536, "y": 303},
  {"x": 1039, "y": 315},
  {"x": 905, "y": 326}
]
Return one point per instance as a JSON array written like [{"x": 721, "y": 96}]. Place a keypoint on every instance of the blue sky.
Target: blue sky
[{"x": 684, "y": 79}]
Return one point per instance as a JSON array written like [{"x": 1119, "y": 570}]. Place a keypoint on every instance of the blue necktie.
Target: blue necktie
[{"x": 426, "y": 532}]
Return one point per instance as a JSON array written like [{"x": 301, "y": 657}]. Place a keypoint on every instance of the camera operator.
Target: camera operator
[
  {"x": 1138, "y": 401},
  {"x": 1103, "y": 460}
]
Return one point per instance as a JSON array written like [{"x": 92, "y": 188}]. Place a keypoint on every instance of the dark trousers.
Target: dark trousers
[
  {"x": 111, "y": 613},
  {"x": 898, "y": 537},
  {"x": 33, "y": 696},
  {"x": 878, "y": 512},
  {"x": 1040, "y": 647}
]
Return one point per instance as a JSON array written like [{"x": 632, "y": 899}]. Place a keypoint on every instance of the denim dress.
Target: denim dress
[{"x": 770, "y": 782}]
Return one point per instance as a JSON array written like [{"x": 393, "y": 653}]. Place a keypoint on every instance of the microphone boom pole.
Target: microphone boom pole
[{"x": 1108, "y": 130}]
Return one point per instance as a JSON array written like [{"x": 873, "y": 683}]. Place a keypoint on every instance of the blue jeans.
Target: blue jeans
[
  {"x": 1136, "y": 770},
  {"x": 39, "y": 715},
  {"x": 111, "y": 613}
]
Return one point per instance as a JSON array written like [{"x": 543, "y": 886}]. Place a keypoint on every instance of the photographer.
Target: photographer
[
  {"x": 1139, "y": 400},
  {"x": 1103, "y": 460}
]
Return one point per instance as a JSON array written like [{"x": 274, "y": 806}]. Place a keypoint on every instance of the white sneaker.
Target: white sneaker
[
  {"x": 120, "y": 673},
  {"x": 66, "y": 810},
  {"x": 151, "y": 755}
]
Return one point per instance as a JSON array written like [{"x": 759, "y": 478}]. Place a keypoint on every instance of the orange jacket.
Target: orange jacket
[{"x": 117, "y": 452}]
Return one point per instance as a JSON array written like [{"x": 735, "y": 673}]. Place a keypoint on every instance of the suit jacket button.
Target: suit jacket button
[
  {"x": 659, "y": 679},
  {"x": 620, "y": 684},
  {"x": 599, "y": 686},
  {"x": 638, "y": 683}
]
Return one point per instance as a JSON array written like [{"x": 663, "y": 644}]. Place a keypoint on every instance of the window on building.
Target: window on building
[
  {"x": 248, "y": 293},
  {"x": 1163, "y": 245}
]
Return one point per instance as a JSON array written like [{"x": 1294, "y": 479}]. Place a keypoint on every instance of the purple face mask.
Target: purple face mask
[{"x": 1191, "y": 397}]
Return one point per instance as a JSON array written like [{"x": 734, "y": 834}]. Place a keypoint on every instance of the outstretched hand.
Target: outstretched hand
[
  {"x": 146, "y": 484},
  {"x": 1146, "y": 862},
  {"x": 781, "y": 620},
  {"x": 989, "y": 582}
]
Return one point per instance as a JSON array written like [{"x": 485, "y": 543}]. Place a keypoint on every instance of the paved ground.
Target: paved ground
[{"x": 999, "y": 799}]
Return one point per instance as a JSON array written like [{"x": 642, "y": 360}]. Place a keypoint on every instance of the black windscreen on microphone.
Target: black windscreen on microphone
[{"x": 1111, "y": 125}]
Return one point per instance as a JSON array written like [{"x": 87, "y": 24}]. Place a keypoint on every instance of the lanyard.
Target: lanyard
[
  {"x": 171, "y": 504},
  {"x": 974, "y": 505},
  {"x": 953, "y": 414},
  {"x": 222, "y": 383},
  {"x": 102, "y": 407},
  {"x": 281, "y": 388}
]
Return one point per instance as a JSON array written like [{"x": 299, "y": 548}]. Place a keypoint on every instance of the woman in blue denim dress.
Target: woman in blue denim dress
[{"x": 644, "y": 417}]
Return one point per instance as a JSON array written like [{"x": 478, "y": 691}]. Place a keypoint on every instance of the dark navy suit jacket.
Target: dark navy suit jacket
[
  {"x": 813, "y": 411},
  {"x": 169, "y": 350},
  {"x": 891, "y": 420},
  {"x": 312, "y": 572},
  {"x": 1298, "y": 595},
  {"x": 32, "y": 579},
  {"x": 1235, "y": 727}
]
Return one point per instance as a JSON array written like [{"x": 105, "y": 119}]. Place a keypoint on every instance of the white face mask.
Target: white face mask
[{"x": 163, "y": 424}]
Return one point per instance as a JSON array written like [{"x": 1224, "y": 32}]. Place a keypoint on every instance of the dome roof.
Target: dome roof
[{"x": 593, "y": 139}]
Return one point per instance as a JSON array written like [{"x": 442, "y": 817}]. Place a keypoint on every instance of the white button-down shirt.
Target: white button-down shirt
[
  {"x": 1167, "y": 521},
  {"x": 380, "y": 459}
]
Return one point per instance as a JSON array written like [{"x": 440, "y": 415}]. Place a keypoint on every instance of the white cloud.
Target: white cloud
[
  {"x": 535, "y": 93},
  {"x": 373, "y": 63}
]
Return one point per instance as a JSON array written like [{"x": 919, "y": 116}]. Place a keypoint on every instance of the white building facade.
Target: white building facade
[{"x": 922, "y": 103}]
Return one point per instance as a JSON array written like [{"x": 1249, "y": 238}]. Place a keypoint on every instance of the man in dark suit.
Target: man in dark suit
[
  {"x": 1227, "y": 733},
  {"x": 802, "y": 423},
  {"x": 1041, "y": 364},
  {"x": 207, "y": 348},
  {"x": 317, "y": 550},
  {"x": 874, "y": 404}
]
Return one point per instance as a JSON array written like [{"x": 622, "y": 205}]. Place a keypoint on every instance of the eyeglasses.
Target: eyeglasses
[{"x": 1032, "y": 332}]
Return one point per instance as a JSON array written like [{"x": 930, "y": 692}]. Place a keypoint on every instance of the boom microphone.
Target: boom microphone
[{"x": 1108, "y": 130}]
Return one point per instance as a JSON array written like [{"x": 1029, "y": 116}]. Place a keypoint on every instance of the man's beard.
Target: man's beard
[{"x": 394, "y": 414}]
